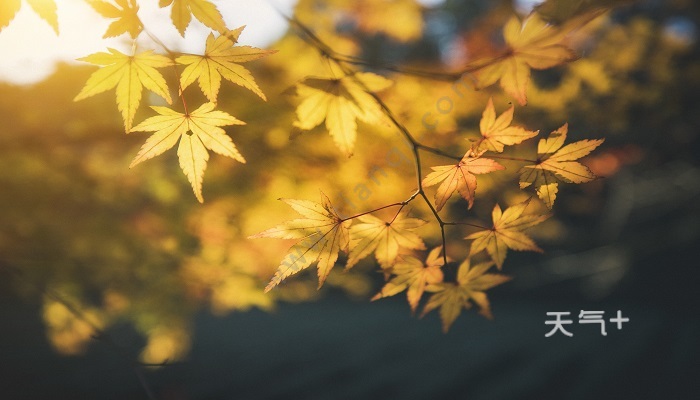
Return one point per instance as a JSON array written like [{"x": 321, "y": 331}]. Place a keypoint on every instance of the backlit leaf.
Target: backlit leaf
[
  {"x": 384, "y": 238},
  {"x": 531, "y": 44},
  {"x": 129, "y": 74},
  {"x": 206, "y": 12},
  {"x": 323, "y": 232},
  {"x": 45, "y": 9},
  {"x": 556, "y": 162},
  {"x": 497, "y": 132},
  {"x": 507, "y": 232},
  {"x": 197, "y": 131},
  {"x": 472, "y": 282},
  {"x": 340, "y": 102},
  {"x": 221, "y": 59},
  {"x": 125, "y": 13},
  {"x": 414, "y": 276},
  {"x": 459, "y": 177}
]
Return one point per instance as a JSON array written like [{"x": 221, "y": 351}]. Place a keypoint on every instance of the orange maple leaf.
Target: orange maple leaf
[
  {"x": 414, "y": 276},
  {"x": 384, "y": 238},
  {"x": 555, "y": 162},
  {"x": 472, "y": 282},
  {"x": 460, "y": 177},
  {"x": 507, "y": 232},
  {"x": 497, "y": 132}
]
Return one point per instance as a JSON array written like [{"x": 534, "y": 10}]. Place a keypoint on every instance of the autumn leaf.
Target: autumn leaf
[
  {"x": 125, "y": 13},
  {"x": 221, "y": 59},
  {"x": 555, "y": 162},
  {"x": 340, "y": 102},
  {"x": 129, "y": 74},
  {"x": 206, "y": 12},
  {"x": 323, "y": 232},
  {"x": 204, "y": 124},
  {"x": 45, "y": 9},
  {"x": 459, "y": 177},
  {"x": 384, "y": 238},
  {"x": 507, "y": 232},
  {"x": 414, "y": 276},
  {"x": 497, "y": 132},
  {"x": 531, "y": 44},
  {"x": 472, "y": 282}
]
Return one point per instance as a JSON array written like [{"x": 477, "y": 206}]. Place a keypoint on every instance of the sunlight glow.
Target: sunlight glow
[{"x": 31, "y": 49}]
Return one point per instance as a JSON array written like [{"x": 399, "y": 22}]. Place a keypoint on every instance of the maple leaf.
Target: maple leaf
[
  {"x": 415, "y": 277},
  {"x": 206, "y": 12},
  {"x": 507, "y": 232},
  {"x": 220, "y": 59},
  {"x": 383, "y": 238},
  {"x": 324, "y": 234},
  {"x": 460, "y": 177},
  {"x": 555, "y": 162},
  {"x": 531, "y": 44},
  {"x": 497, "y": 132},
  {"x": 340, "y": 102},
  {"x": 125, "y": 11},
  {"x": 204, "y": 124},
  {"x": 472, "y": 282},
  {"x": 45, "y": 9},
  {"x": 129, "y": 74}
]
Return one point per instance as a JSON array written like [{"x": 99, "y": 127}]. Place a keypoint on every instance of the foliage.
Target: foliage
[{"x": 378, "y": 207}]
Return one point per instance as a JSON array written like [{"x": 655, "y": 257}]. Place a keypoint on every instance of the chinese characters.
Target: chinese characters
[{"x": 584, "y": 317}]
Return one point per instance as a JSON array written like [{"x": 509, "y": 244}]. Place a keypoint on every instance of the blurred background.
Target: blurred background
[{"x": 104, "y": 268}]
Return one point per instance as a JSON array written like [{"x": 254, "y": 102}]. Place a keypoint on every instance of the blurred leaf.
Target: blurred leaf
[
  {"x": 206, "y": 12},
  {"x": 531, "y": 44},
  {"x": 559, "y": 11},
  {"x": 45, "y": 9},
  {"x": 339, "y": 102},
  {"x": 127, "y": 18}
]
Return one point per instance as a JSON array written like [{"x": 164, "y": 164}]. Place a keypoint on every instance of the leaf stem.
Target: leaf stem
[{"x": 512, "y": 158}]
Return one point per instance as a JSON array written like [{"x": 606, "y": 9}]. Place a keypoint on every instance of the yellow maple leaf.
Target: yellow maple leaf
[
  {"x": 324, "y": 234},
  {"x": 414, "y": 276},
  {"x": 206, "y": 12},
  {"x": 531, "y": 44},
  {"x": 459, "y": 177},
  {"x": 384, "y": 238},
  {"x": 507, "y": 232},
  {"x": 125, "y": 13},
  {"x": 129, "y": 74},
  {"x": 497, "y": 132},
  {"x": 472, "y": 282},
  {"x": 205, "y": 133},
  {"x": 555, "y": 162},
  {"x": 220, "y": 59},
  {"x": 46, "y": 9},
  {"x": 340, "y": 102}
]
